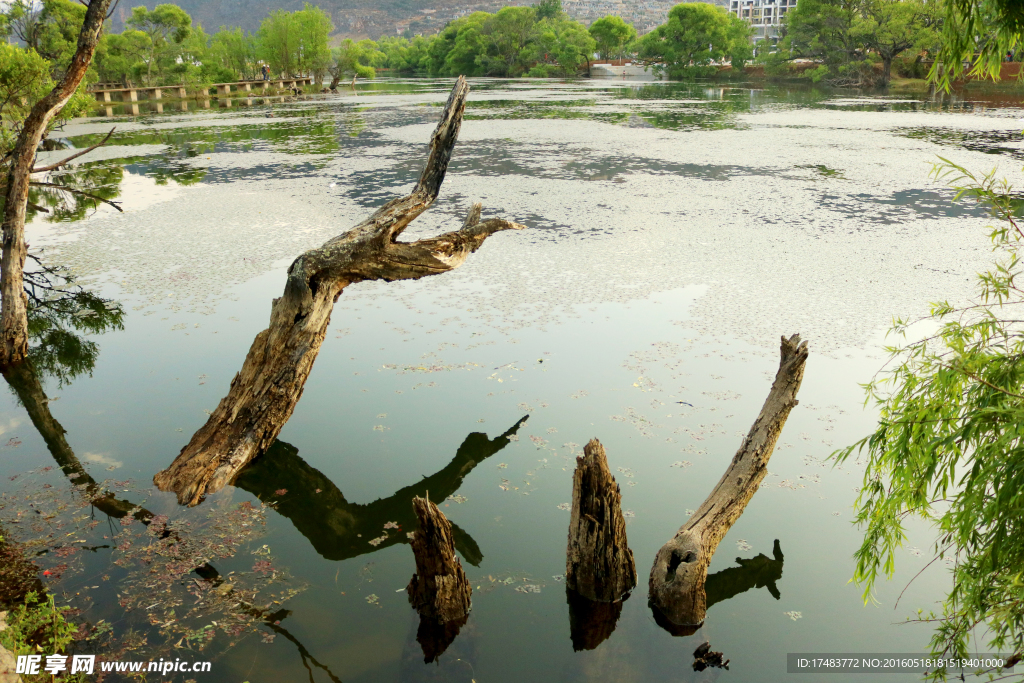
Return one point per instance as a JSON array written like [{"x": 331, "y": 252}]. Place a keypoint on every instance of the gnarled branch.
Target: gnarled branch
[
  {"x": 264, "y": 393},
  {"x": 677, "y": 581}
]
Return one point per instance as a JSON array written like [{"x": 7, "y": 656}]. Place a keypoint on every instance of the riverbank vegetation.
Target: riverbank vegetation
[
  {"x": 948, "y": 445},
  {"x": 864, "y": 43}
]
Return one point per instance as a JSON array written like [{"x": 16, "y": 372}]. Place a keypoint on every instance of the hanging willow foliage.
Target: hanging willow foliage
[{"x": 949, "y": 446}]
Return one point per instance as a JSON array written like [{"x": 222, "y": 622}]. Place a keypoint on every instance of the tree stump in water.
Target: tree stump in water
[
  {"x": 439, "y": 589},
  {"x": 677, "y": 582},
  {"x": 599, "y": 564}
]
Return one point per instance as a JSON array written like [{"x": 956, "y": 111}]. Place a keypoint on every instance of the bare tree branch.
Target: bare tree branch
[
  {"x": 264, "y": 393},
  {"x": 54, "y": 167}
]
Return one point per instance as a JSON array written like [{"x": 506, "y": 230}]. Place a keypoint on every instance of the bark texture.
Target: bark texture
[
  {"x": 598, "y": 564},
  {"x": 13, "y": 301},
  {"x": 677, "y": 581},
  {"x": 264, "y": 393},
  {"x": 439, "y": 590}
]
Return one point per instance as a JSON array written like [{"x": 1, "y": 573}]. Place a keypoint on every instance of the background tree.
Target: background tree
[
  {"x": 695, "y": 35},
  {"x": 236, "y": 51},
  {"x": 119, "y": 54},
  {"x": 612, "y": 35},
  {"x": 976, "y": 34},
  {"x": 565, "y": 43},
  {"x": 548, "y": 9},
  {"x": 19, "y": 165},
  {"x": 167, "y": 27},
  {"x": 354, "y": 59},
  {"x": 741, "y": 50},
  {"x": 456, "y": 48},
  {"x": 278, "y": 42},
  {"x": 405, "y": 56},
  {"x": 949, "y": 446},
  {"x": 821, "y": 30},
  {"x": 508, "y": 34},
  {"x": 848, "y": 37},
  {"x": 313, "y": 54},
  {"x": 889, "y": 28}
]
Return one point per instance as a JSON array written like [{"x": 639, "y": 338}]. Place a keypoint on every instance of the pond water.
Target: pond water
[{"x": 675, "y": 232}]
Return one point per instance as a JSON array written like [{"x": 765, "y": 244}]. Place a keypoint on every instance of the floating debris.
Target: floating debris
[
  {"x": 528, "y": 588},
  {"x": 794, "y": 615},
  {"x": 564, "y": 506},
  {"x": 743, "y": 545}
]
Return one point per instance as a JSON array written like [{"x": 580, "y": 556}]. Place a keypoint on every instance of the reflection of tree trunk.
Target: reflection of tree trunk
[
  {"x": 264, "y": 393},
  {"x": 338, "y": 529},
  {"x": 590, "y": 622},
  {"x": 756, "y": 572},
  {"x": 598, "y": 564},
  {"x": 14, "y": 305},
  {"x": 25, "y": 382},
  {"x": 677, "y": 581}
]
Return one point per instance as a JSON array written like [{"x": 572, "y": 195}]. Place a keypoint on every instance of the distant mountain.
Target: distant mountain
[
  {"x": 352, "y": 18},
  {"x": 375, "y": 18}
]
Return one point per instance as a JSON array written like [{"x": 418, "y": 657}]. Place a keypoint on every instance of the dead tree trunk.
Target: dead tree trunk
[
  {"x": 598, "y": 564},
  {"x": 13, "y": 301},
  {"x": 264, "y": 393},
  {"x": 439, "y": 589},
  {"x": 676, "y": 588}
]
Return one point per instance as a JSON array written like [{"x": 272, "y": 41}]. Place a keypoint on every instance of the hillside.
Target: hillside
[
  {"x": 375, "y": 18},
  {"x": 352, "y": 18}
]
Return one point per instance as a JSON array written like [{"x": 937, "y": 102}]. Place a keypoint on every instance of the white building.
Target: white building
[{"x": 764, "y": 15}]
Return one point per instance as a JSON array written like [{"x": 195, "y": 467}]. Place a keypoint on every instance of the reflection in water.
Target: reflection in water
[
  {"x": 74, "y": 190},
  {"x": 755, "y": 572},
  {"x": 590, "y": 622},
  {"x": 340, "y": 530},
  {"x": 434, "y": 637},
  {"x": 455, "y": 667},
  {"x": 65, "y": 360},
  {"x": 58, "y": 311}
]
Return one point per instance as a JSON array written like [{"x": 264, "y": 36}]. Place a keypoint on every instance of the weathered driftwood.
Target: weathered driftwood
[
  {"x": 264, "y": 393},
  {"x": 439, "y": 589},
  {"x": 598, "y": 563},
  {"x": 590, "y": 622},
  {"x": 677, "y": 582},
  {"x": 13, "y": 301}
]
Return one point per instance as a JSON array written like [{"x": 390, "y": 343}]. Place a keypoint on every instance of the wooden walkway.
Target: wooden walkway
[{"x": 103, "y": 94}]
